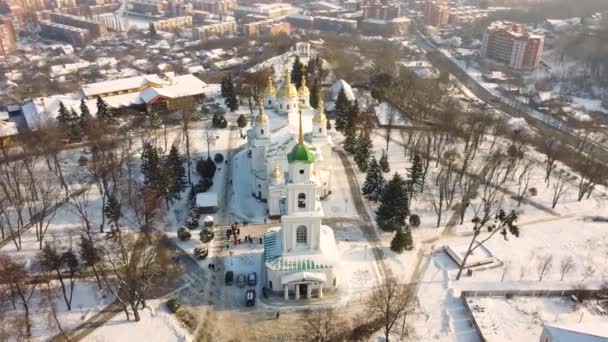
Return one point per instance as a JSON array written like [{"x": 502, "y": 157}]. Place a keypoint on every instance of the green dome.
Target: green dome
[{"x": 301, "y": 153}]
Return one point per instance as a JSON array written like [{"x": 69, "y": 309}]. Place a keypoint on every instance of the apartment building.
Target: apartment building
[
  {"x": 436, "y": 13},
  {"x": 173, "y": 23},
  {"x": 7, "y": 37},
  {"x": 211, "y": 29},
  {"x": 510, "y": 44},
  {"x": 69, "y": 34},
  {"x": 269, "y": 11},
  {"x": 215, "y": 6},
  {"x": 95, "y": 29},
  {"x": 380, "y": 9}
]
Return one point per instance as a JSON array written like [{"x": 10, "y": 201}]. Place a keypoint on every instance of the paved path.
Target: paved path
[{"x": 366, "y": 226}]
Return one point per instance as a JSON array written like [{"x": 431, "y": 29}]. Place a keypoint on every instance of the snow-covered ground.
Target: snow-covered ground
[
  {"x": 156, "y": 324},
  {"x": 521, "y": 318}
]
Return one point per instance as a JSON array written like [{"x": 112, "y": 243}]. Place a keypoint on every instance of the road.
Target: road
[{"x": 513, "y": 108}]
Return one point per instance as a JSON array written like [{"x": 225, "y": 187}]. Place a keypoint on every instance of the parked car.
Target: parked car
[
  {"x": 252, "y": 279},
  {"x": 229, "y": 278},
  {"x": 240, "y": 280},
  {"x": 250, "y": 297}
]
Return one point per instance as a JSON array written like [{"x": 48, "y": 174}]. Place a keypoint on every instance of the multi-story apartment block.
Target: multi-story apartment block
[
  {"x": 215, "y": 6},
  {"x": 268, "y": 26},
  {"x": 380, "y": 9},
  {"x": 173, "y": 23},
  {"x": 211, "y": 29},
  {"x": 7, "y": 37},
  {"x": 69, "y": 34},
  {"x": 436, "y": 13},
  {"x": 95, "y": 29},
  {"x": 510, "y": 43},
  {"x": 269, "y": 11},
  {"x": 387, "y": 28}
]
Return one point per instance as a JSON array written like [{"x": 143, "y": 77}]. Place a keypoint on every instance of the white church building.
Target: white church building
[
  {"x": 268, "y": 151},
  {"x": 300, "y": 257}
]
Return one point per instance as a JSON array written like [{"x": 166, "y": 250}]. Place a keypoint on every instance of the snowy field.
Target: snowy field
[
  {"x": 521, "y": 318},
  {"x": 156, "y": 324}
]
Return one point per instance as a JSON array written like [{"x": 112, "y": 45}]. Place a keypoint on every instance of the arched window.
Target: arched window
[
  {"x": 287, "y": 107},
  {"x": 301, "y": 233},
  {"x": 320, "y": 130},
  {"x": 261, "y": 131},
  {"x": 269, "y": 102},
  {"x": 301, "y": 201}
]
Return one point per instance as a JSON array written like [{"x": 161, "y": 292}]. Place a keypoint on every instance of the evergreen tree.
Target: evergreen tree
[
  {"x": 224, "y": 86},
  {"x": 392, "y": 204},
  {"x": 241, "y": 121},
  {"x": 85, "y": 113},
  {"x": 350, "y": 142},
  {"x": 64, "y": 116},
  {"x": 90, "y": 256},
  {"x": 174, "y": 165},
  {"x": 314, "y": 93},
  {"x": 352, "y": 118},
  {"x": 150, "y": 165},
  {"x": 384, "y": 163},
  {"x": 152, "y": 30},
  {"x": 342, "y": 110},
  {"x": 103, "y": 110},
  {"x": 230, "y": 100},
  {"x": 155, "y": 121},
  {"x": 402, "y": 241},
  {"x": 416, "y": 175},
  {"x": 296, "y": 72},
  {"x": 374, "y": 181},
  {"x": 363, "y": 149},
  {"x": 113, "y": 211}
]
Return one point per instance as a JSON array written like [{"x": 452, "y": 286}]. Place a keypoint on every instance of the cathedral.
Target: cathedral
[
  {"x": 289, "y": 171},
  {"x": 300, "y": 256},
  {"x": 268, "y": 151}
]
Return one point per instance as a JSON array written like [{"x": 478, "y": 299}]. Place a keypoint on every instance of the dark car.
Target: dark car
[
  {"x": 240, "y": 280},
  {"x": 229, "y": 278},
  {"x": 250, "y": 297},
  {"x": 252, "y": 279}
]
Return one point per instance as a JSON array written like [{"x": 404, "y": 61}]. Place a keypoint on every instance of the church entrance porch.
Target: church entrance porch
[
  {"x": 302, "y": 284},
  {"x": 303, "y": 291}
]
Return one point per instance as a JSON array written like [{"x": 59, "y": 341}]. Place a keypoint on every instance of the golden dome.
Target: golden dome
[
  {"x": 287, "y": 90},
  {"x": 320, "y": 114},
  {"x": 277, "y": 173},
  {"x": 270, "y": 89},
  {"x": 262, "y": 118},
  {"x": 303, "y": 88}
]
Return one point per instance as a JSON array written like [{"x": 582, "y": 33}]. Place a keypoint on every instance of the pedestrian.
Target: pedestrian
[
  {"x": 277, "y": 316},
  {"x": 239, "y": 240},
  {"x": 250, "y": 240},
  {"x": 227, "y": 246},
  {"x": 264, "y": 220}
]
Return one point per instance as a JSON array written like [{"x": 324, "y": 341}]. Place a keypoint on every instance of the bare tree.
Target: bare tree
[
  {"x": 559, "y": 187},
  {"x": 325, "y": 325},
  {"x": 505, "y": 224},
  {"x": 64, "y": 264},
  {"x": 42, "y": 206},
  {"x": 523, "y": 181},
  {"x": 506, "y": 267},
  {"x": 16, "y": 276},
  {"x": 136, "y": 264},
  {"x": 566, "y": 266},
  {"x": 544, "y": 263},
  {"x": 145, "y": 209},
  {"x": 80, "y": 203},
  {"x": 47, "y": 294},
  {"x": 553, "y": 150},
  {"x": 389, "y": 302},
  {"x": 592, "y": 172}
]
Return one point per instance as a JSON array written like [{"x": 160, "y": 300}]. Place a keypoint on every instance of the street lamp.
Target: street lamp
[{"x": 230, "y": 258}]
